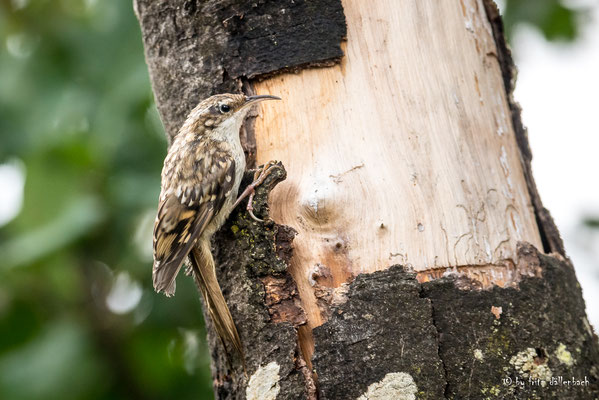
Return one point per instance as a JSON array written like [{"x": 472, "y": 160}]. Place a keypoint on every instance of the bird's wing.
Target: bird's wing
[{"x": 187, "y": 209}]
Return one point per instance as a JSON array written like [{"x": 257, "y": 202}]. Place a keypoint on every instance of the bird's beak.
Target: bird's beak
[{"x": 255, "y": 99}]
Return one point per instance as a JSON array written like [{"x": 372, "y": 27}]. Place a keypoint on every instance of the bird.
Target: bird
[{"x": 200, "y": 181}]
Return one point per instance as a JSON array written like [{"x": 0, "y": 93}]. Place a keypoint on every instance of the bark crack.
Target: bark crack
[
  {"x": 385, "y": 327},
  {"x": 439, "y": 351},
  {"x": 481, "y": 332},
  {"x": 302, "y": 366}
]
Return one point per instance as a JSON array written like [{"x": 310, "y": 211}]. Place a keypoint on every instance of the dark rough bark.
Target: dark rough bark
[
  {"x": 384, "y": 326},
  {"x": 195, "y": 48},
  {"x": 491, "y": 340}
]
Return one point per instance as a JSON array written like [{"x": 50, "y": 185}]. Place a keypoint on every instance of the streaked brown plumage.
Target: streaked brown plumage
[{"x": 200, "y": 181}]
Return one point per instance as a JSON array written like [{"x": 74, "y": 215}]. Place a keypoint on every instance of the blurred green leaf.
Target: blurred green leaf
[
  {"x": 55, "y": 365},
  {"x": 77, "y": 219},
  {"x": 591, "y": 222},
  {"x": 556, "y": 20},
  {"x": 77, "y": 109}
]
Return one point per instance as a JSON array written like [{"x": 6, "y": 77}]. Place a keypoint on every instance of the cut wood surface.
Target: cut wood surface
[{"x": 413, "y": 105}]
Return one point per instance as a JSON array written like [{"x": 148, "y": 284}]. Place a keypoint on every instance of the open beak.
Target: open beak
[{"x": 255, "y": 99}]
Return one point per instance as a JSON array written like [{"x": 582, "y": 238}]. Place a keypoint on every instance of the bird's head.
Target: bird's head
[{"x": 221, "y": 115}]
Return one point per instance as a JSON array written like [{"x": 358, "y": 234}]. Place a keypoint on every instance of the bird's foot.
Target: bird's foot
[{"x": 260, "y": 174}]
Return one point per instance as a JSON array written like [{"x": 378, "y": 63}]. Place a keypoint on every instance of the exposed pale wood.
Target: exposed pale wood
[{"x": 404, "y": 153}]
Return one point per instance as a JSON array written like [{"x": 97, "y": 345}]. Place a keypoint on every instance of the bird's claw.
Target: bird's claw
[
  {"x": 250, "y": 207},
  {"x": 260, "y": 174}
]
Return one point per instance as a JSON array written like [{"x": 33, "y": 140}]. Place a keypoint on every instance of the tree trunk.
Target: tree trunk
[{"x": 411, "y": 254}]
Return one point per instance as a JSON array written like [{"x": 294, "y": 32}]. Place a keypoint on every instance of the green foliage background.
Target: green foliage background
[{"x": 77, "y": 115}]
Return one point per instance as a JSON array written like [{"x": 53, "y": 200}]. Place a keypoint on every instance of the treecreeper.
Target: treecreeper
[{"x": 200, "y": 183}]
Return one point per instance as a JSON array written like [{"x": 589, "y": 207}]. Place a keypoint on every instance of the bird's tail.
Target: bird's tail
[{"x": 205, "y": 277}]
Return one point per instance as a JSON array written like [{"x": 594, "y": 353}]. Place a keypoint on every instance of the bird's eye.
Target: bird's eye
[{"x": 224, "y": 108}]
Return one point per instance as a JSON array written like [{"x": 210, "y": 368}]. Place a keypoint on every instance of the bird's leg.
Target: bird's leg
[{"x": 259, "y": 177}]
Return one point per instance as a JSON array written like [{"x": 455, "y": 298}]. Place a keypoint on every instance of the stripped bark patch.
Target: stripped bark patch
[
  {"x": 482, "y": 277},
  {"x": 282, "y": 300},
  {"x": 496, "y": 311}
]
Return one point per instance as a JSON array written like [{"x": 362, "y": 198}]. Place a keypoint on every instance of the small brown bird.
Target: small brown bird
[{"x": 200, "y": 180}]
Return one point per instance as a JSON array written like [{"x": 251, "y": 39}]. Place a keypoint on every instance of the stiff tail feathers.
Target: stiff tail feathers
[{"x": 205, "y": 277}]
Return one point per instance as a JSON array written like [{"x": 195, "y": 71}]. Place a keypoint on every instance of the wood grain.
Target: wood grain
[{"x": 402, "y": 154}]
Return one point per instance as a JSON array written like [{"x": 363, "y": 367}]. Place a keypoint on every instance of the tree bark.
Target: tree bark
[{"x": 403, "y": 147}]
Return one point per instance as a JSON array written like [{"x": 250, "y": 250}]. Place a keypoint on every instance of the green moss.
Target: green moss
[{"x": 499, "y": 343}]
